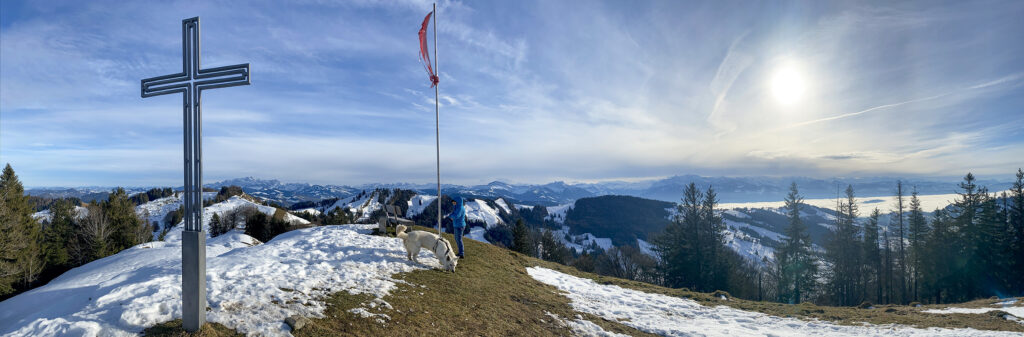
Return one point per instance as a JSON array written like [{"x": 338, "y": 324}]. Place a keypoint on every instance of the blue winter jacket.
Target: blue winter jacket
[{"x": 459, "y": 214}]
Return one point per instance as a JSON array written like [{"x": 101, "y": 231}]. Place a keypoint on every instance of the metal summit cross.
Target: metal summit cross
[{"x": 191, "y": 82}]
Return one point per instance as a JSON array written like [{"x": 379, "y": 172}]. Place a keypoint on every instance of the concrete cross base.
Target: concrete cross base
[{"x": 193, "y": 279}]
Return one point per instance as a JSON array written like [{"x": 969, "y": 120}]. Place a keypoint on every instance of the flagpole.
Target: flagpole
[{"x": 437, "y": 127}]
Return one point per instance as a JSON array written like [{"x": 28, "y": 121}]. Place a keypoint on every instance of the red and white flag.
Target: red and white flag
[{"x": 425, "y": 51}]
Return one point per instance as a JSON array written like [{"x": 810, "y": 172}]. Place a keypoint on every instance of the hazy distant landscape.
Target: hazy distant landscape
[{"x": 732, "y": 191}]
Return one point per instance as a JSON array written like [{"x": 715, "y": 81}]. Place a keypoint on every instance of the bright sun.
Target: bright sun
[{"x": 788, "y": 84}]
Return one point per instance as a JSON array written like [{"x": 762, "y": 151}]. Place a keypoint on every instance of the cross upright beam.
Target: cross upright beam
[{"x": 191, "y": 82}]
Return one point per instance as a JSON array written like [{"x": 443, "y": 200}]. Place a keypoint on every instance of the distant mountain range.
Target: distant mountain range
[
  {"x": 729, "y": 189},
  {"x": 86, "y": 194}
]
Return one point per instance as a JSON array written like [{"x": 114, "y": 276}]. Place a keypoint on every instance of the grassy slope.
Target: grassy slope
[{"x": 492, "y": 295}]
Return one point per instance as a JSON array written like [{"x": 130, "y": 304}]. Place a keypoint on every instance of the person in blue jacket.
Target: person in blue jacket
[{"x": 458, "y": 217}]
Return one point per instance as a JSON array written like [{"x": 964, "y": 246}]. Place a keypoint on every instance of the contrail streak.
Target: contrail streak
[{"x": 1006, "y": 79}]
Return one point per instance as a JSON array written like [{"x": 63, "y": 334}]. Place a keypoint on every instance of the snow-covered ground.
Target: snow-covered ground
[
  {"x": 736, "y": 213},
  {"x": 44, "y": 215},
  {"x": 250, "y": 287},
  {"x": 365, "y": 209},
  {"x": 581, "y": 243},
  {"x": 310, "y": 210},
  {"x": 504, "y": 205},
  {"x": 675, "y": 316},
  {"x": 928, "y": 202},
  {"x": 361, "y": 207},
  {"x": 1007, "y": 306},
  {"x": 477, "y": 233},
  {"x": 418, "y": 203},
  {"x": 646, "y": 248},
  {"x": 747, "y": 246},
  {"x": 156, "y": 210},
  {"x": 584, "y": 327},
  {"x": 557, "y": 213},
  {"x": 475, "y": 209},
  {"x": 480, "y": 211},
  {"x": 220, "y": 208},
  {"x": 764, "y": 232}
]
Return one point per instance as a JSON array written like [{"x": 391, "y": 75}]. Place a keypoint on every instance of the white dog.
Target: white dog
[{"x": 419, "y": 239}]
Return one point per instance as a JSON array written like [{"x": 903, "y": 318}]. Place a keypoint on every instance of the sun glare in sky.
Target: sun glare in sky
[{"x": 788, "y": 84}]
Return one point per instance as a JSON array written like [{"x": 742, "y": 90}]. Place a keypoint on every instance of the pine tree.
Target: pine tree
[
  {"x": 554, "y": 250},
  {"x": 844, "y": 255},
  {"x": 940, "y": 246},
  {"x": 797, "y": 269},
  {"x": 257, "y": 226},
  {"x": 10, "y": 242},
  {"x": 889, "y": 293},
  {"x": 21, "y": 253},
  {"x": 992, "y": 248},
  {"x": 1016, "y": 212},
  {"x": 59, "y": 233},
  {"x": 716, "y": 269},
  {"x": 918, "y": 230},
  {"x": 872, "y": 256},
  {"x": 215, "y": 226},
  {"x": 965, "y": 212},
  {"x": 691, "y": 212},
  {"x": 278, "y": 225},
  {"x": 127, "y": 228},
  {"x": 521, "y": 241},
  {"x": 677, "y": 245},
  {"x": 901, "y": 236}
]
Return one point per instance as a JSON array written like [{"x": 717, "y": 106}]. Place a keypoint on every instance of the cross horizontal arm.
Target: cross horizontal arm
[
  {"x": 163, "y": 85},
  {"x": 222, "y": 77}
]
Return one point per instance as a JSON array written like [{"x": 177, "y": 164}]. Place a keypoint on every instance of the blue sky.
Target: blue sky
[{"x": 531, "y": 91}]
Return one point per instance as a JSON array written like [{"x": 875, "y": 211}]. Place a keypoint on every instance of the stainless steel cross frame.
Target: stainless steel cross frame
[{"x": 191, "y": 82}]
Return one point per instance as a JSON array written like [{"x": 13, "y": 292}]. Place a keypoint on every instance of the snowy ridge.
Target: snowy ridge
[
  {"x": 310, "y": 210},
  {"x": 367, "y": 209},
  {"x": 582, "y": 243},
  {"x": 734, "y": 213},
  {"x": 251, "y": 288},
  {"x": 674, "y": 316},
  {"x": 360, "y": 208},
  {"x": 759, "y": 230},
  {"x": 480, "y": 211},
  {"x": 44, "y": 215},
  {"x": 501, "y": 203},
  {"x": 233, "y": 203},
  {"x": 156, "y": 210},
  {"x": 476, "y": 209},
  {"x": 418, "y": 203},
  {"x": 747, "y": 246},
  {"x": 647, "y": 248},
  {"x": 557, "y": 213}
]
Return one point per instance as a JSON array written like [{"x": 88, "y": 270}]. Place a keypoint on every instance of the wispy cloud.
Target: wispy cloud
[
  {"x": 1011, "y": 79},
  {"x": 530, "y": 91},
  {"x": 733, "y": 64}
]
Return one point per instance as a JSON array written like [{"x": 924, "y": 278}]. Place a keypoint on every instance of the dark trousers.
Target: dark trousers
[{"x": 458, "y": 239}]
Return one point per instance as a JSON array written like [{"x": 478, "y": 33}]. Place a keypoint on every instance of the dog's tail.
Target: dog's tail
[{"x": 400, "y": 231}]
